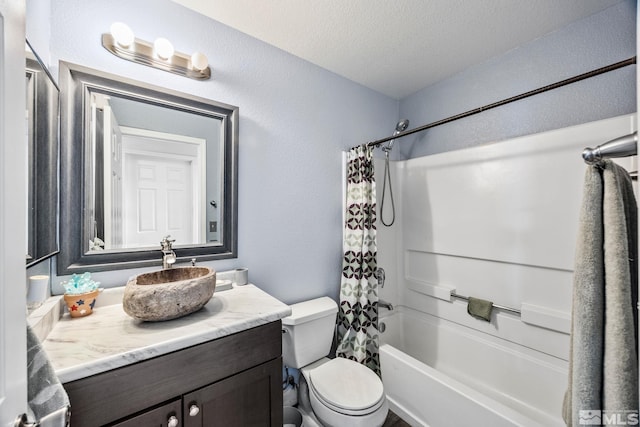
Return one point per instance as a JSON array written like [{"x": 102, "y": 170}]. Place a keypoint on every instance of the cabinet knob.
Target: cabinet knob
[
  {"x": 172, "y": 421},
  {"x": 194, "y": 410}
]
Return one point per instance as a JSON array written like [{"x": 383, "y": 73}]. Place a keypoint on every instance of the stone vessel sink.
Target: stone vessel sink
[{"x": 168, "y": 294}]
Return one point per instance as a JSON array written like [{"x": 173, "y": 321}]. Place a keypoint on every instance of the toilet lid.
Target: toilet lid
[{"x": 346, "y": 385}]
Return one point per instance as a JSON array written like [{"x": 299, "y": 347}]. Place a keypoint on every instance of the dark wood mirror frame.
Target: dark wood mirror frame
[{"x": 76, "y": 82}]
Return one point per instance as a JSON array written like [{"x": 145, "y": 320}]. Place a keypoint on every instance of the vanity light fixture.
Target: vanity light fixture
[
  {"x": 121, "y": 41},
  {"x": 163, "y": 48},
  {"x": 122, "y": 34}
]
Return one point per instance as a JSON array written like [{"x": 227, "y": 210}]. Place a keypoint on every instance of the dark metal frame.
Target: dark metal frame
[
  {"x": 43, "y": 108},
  {"x": 75, "y": 82}
]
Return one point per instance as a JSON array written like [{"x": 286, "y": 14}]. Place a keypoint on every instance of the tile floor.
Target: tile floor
[{"x": 394, "y": 421}]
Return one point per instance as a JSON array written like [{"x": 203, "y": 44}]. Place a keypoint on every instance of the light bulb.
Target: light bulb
[
  {"x": 122, "y": 34},
  {"x": 199, "y": 61},
  {"x": 163, "y": 48}
]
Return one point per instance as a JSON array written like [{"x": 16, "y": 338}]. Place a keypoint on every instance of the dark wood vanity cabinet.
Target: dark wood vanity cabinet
[
  {"x": 162, "y": 416},
  {"x": 243, "y": 400},
  {"x": 233, "y": 381}
]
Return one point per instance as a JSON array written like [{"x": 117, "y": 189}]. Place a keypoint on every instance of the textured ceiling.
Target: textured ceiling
[{"x": 396, "y": 47}]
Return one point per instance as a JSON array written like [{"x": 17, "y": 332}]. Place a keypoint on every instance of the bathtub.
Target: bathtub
[{"x": 438, "y": 373}]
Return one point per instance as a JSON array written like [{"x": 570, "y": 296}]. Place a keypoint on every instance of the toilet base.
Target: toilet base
[
  {"x": 304, "y": 405},
  {"x": 311, "y": 420}
]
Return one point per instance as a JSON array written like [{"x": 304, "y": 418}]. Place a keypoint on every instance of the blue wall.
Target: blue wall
[
  {"x": 594, "y": 42},
  {"x": 295, "y": 120}
]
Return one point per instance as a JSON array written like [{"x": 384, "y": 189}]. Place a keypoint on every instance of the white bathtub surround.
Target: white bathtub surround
[
  {"x": 603, "y": 361},
  {"x": 437, "y": 372},
  {"x": 109, "y": 338},
  {"x": 496, "y": 222},
  {"x": 358, "y": 309}
]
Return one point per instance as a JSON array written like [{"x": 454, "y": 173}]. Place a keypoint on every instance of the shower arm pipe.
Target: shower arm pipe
[
  {"x": 623, "y": 146},
  {"x": 538, "y": 91}
]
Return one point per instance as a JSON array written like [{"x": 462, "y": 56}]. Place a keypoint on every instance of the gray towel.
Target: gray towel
[
  {"x": 48, "y": 401},
  {"x": 620, "y": 385},
  {"x": 480, "y": 308},
  {"x": 603, "y": 362}
]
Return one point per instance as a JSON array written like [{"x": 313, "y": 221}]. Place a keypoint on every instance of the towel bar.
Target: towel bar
[
  {"x": 623, "y": 146},
  {"x": 501, "y": 307}
]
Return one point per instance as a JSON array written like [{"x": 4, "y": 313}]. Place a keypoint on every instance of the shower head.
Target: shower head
[{"x": 400, "y": 127}]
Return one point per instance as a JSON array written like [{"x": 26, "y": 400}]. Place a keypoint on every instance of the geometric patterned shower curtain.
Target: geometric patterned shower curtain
[{"x": 358, "y": 312}]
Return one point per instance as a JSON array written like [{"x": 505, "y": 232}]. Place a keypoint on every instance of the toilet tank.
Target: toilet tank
[{"x": 308, "y": 331}]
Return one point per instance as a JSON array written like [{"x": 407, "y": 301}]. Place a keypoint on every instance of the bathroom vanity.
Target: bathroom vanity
[{"x": 220, "y": 366}]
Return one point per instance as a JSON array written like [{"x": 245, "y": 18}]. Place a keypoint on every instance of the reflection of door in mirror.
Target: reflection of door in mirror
[
  {"x": 113, "y": 181},
  {"x": 149, "y": 184},
  {"x": 106, "y": 137},
  {"x": 161, "y": 180}
]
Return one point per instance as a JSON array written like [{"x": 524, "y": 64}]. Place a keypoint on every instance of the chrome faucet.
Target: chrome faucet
[
  {"x": 168, "y": 255},
  {"x": 382, "y": 303}
]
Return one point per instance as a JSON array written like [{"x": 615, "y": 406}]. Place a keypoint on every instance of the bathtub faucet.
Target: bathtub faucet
[{"x": 382, "y": 303}]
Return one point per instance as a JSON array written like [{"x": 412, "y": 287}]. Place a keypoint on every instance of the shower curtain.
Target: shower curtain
[{"x": 358, "y": 312}]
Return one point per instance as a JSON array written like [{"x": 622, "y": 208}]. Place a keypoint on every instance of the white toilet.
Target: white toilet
[{"x": 339, "y": 392}]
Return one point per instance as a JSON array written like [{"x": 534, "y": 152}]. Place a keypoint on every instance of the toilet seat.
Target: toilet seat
[{"x": 347, "y": 387}]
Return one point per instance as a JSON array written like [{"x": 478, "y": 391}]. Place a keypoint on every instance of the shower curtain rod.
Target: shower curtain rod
[{"x": 540, "y": 90}]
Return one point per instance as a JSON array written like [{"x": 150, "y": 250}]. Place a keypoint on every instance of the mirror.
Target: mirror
[
  {"x": 42, "y": 138},
  {"x": 139, "y": 163}
]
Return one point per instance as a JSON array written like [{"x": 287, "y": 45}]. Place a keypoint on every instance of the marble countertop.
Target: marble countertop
[{"x": 109, "y": 338}]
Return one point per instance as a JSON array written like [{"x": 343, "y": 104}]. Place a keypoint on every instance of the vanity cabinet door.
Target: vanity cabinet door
[
  {"x": 168, "y": 415},
  {"x": 250, "y": 398}
]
